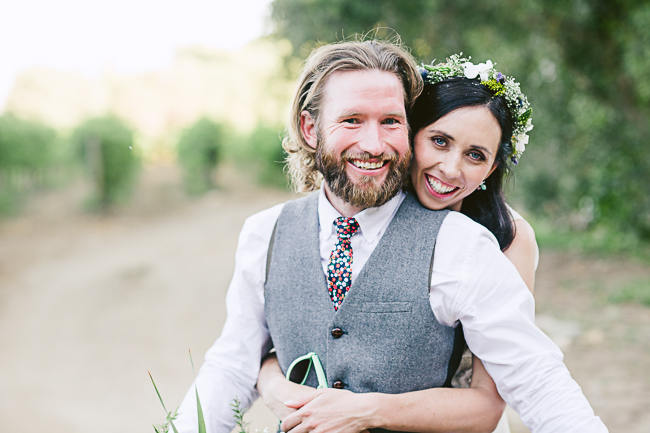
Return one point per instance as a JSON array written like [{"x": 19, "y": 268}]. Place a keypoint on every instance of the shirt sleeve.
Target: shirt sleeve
[
  {"x": 475, "y": 284},
  {"x": 232, "y": 364}
]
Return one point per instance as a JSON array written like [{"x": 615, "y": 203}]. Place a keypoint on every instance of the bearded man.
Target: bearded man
[{"x": 350, "y": 271}]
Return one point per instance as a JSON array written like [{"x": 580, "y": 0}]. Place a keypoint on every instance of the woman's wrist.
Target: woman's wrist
[{"x": 373, "y": 409}]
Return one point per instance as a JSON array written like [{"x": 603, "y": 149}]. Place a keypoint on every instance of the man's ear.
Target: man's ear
[{"x": 308, "y": 129}]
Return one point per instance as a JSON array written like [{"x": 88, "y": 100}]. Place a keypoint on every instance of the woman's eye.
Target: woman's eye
[
  {"x": 439, "y": 141},
  {"x": 476, "y": 156}
]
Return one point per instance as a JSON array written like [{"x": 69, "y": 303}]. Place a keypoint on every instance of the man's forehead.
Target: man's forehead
[{"x": 350, "y": 91}]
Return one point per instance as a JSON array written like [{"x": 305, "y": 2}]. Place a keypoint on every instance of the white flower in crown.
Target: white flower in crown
[
  {"x": 483, "y": 69},
  {"x": 529, "y": 125},
  {"x": 520, "y": 141}
]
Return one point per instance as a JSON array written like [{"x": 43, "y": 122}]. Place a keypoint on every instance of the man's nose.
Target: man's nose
[{"x": 371, "y": 140}]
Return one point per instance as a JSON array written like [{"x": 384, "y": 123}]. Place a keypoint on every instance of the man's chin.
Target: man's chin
[{"x": 368, "y": 193}]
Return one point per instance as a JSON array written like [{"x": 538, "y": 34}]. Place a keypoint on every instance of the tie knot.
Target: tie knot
[{"x": 346, "y": 227}]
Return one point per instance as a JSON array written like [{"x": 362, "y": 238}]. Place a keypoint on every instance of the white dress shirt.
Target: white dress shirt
[{"x": 472, "y": 282}]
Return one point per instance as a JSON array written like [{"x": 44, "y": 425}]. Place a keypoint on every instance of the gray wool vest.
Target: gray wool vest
[{"x": 384, "y": 336}]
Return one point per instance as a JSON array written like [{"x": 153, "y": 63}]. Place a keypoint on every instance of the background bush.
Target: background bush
[
  {"x": 28, "y": 153},
  {"x": 199, "y": 151},
  {"x": 107, "y": 148},
  {"x": 265, "y": 150}
]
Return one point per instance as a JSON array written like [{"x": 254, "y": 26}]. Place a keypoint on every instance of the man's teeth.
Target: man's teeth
[
  {"x": 367, "y": 165},
  {"x": 439, "y": 187}
]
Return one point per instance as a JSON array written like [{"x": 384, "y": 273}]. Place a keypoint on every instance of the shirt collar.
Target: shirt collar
[{"x": 373, "y": 221}]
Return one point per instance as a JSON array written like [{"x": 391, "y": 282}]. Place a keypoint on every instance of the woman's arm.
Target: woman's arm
[
  {"x": 523, "y": 252},
  {"x": 475, "y": 409}
]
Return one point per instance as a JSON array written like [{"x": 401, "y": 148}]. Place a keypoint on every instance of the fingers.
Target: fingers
[
  {"x": 303, "y": 400},
  {"x": 293, "y": 423}
]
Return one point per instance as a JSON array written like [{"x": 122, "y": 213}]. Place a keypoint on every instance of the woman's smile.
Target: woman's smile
[{"x": 438, "y": 187}]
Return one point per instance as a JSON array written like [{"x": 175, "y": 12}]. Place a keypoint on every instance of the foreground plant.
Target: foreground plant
[{"x": 170, "y": 416}]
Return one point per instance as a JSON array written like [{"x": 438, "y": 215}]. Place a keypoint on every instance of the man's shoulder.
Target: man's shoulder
[
  {"x": 270, "y": 215},
  {"x": 265, "y": 216}
]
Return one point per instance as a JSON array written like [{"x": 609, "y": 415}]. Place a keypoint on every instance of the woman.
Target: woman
[{"x": 466, "y": 130}]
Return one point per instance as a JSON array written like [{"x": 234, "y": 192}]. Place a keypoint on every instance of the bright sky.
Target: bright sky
[{"x": 124, "y": 36}]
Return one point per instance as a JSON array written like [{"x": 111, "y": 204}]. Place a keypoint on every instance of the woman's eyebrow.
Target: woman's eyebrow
[
  {"x": 484, "y": 149},
  {"x": 437, "y": 131}
]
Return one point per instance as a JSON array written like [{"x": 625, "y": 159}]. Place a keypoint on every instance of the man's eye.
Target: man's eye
[
  {"x": 391, "y": 121},
  {"x": 351, "y": 120}
]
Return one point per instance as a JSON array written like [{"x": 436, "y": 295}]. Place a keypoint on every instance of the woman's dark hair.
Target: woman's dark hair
[{"x": 486, "y": 207}]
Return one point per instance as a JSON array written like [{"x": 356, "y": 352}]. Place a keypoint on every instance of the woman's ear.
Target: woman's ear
[{"x": 308, "y": 129}]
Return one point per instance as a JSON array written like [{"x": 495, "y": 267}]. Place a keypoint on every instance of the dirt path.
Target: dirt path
[{"x": 88, "y": 304}]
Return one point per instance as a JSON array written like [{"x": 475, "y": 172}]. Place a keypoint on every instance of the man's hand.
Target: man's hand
[
  {"x": 275, "y": 389},
  {"x": 331, "y": 411}
]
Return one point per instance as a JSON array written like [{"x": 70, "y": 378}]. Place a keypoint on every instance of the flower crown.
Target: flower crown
[{"x": 499, "y": 84}]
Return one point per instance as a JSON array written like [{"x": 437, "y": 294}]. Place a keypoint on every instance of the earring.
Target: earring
[{"x": 482, "y": 186}]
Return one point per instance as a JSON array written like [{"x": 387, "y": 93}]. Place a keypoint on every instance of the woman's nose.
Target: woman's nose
[{"x": 450, "y": 166}]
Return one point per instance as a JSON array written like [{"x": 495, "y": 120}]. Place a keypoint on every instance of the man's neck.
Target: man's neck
[{"x": 342, "y": 206}]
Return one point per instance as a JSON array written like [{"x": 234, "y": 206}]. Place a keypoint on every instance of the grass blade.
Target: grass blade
[
  {"x": 157, "y": 392},
  {"x": 199, "y": 412},
  {"x": 191, "y": 361}
]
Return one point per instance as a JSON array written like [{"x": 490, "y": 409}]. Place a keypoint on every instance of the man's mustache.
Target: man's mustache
[{"x": 367, "y": 156}]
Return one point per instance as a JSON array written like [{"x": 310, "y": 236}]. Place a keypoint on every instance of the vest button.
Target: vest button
[
  {"x": 338, "y": 385},
  {"x": 337, "y": 332}
]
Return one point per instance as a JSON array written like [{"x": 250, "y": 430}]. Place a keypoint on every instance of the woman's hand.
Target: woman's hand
[{"x": 332, "y": 411}]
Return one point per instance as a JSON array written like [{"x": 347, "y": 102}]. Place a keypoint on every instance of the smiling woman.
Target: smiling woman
[
  {"x": 454, "y": 159},
  {"x": 462, "y": 136}
]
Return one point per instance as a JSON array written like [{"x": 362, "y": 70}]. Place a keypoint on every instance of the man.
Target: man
[{"x": 348, "y": 272}]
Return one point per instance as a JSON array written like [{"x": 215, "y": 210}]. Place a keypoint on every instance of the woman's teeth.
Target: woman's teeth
[
  {"x": 439, "y": 187},
  {"x": 367, "y": 165}
]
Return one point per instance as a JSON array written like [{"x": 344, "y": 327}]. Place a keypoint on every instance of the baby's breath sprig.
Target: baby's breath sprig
[
  {"x": 238, "y": 414},
  {"x": 458, "y": 66}
]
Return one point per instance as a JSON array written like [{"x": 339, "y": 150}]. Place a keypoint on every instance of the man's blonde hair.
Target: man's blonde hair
[{"x": 324, "y": 61}]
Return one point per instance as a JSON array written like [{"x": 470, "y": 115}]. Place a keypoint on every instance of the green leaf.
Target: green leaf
[
  {"x": 199, "y": 412},
  {"x": 157, "y": 392},
  {"x": 189, "y": 351},
  {"x": 172, "y": 424}
]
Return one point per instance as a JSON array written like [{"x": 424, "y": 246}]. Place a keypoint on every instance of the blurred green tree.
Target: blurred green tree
[
  {"x": 584, "y": 64},
  {"x": 107, "y": 148},
  {"x": 265, "y": 149},
  {"x": 199, "y": 151},
  {"x": 28, "y": 149}
]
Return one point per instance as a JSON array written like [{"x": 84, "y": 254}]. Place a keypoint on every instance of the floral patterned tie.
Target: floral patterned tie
[{"x": 339, "y": 270}]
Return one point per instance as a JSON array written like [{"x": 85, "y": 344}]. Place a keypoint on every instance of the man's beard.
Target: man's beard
[{"x": 366, "y": 192}]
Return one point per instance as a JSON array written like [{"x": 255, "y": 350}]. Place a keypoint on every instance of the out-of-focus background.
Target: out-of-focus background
[{"x": 136, "y": 136}]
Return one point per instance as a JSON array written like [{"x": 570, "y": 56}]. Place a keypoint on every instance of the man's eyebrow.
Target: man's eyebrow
[
  {"x": 398, "y": 114},
  {"x": 350, "y": 114}
]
